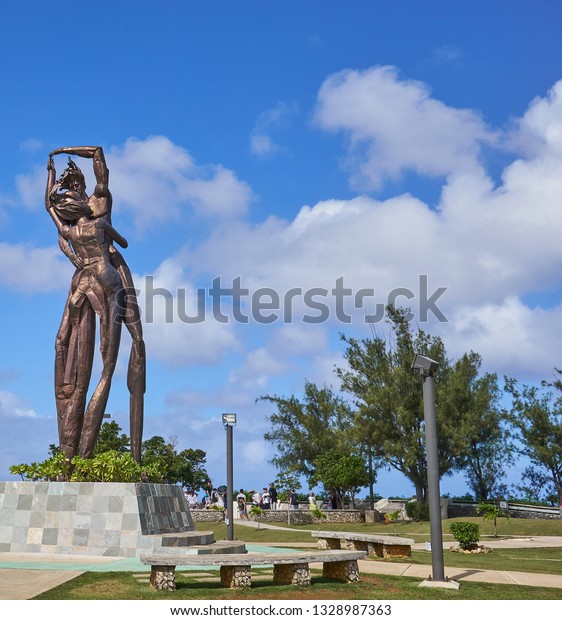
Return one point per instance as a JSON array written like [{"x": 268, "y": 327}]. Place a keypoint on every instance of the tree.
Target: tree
[
  {"x": 537, "y": 417},
  {"x": 110, "y": 439},
  {"x": 491, "y": 512},
  {"x": 341, "y": 472},
  {"x": 389, "y": 399},
  {"x": 537, "y": 486},
  {"x": 186, "y": 468},
  {"x": 484, "y": 428},
  {"x": 304, "y": 429}
]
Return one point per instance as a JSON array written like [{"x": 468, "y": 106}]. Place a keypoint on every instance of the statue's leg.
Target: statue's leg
[
  {"x": 73, "y": 367},
  {"x": 110, "y": 335},
  {"x": 136, "y": 375}
]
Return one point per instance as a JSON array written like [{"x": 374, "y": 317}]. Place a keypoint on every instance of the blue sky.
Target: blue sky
[{"x": 289, "y": 145}]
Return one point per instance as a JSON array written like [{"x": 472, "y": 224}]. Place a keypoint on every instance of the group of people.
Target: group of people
[
  {"x": 266, "y": 499},
  {"x": 213, "y": 497}
]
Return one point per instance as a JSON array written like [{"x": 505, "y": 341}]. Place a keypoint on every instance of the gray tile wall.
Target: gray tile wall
[{"x": 89, "y": 518}]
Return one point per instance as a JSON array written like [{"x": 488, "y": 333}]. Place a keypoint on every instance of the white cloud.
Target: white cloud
[
  {"x": 395, "y": 125},
  {"x": 13, "y": 406},
  {"x": 31, "y": 188},
  {"x": 33, "y": 270},
  {"x": 168, "y": 302},
  {"x": 539, "y": 131},
  {"x": 260, "y": 366},
  {"x": 156, "y": 180}
]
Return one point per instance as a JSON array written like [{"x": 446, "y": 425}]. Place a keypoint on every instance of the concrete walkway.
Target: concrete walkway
[{"x": 25, "y": 575}]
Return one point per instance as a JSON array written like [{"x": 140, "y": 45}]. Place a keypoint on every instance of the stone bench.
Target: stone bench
[
  {"x": 235, "y": 568},
  {"x": 374, "y": 545}
]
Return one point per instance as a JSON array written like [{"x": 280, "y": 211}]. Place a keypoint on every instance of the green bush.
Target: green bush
[
  {"x": 110, "y": 466},
  {"x": 465, "y": 533},
  {"x": 418, "y": 511}
]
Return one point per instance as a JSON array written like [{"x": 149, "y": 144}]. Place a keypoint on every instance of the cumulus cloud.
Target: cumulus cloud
[
  {"x": 33, "y": 270},
  {"x": 260, "y": 366},
  {"x": 488, "y": 245},
  {"x": 395, "y": 125},
  {"x": 155, "y": 180},
  {"x": 170, "y": 310}
]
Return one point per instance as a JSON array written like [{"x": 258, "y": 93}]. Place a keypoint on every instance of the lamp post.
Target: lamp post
[
  {"x": 229, "y": 422},
  {"x": 427, "y": 367}
]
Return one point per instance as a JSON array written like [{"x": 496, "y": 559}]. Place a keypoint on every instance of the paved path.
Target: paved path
[{"x": 25, "y": 575}]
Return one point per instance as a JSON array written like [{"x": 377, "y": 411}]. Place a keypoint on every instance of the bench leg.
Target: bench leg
[
  {"x": 356, "y": 545},
  {"x": 347, "y": 570},
  {"x": 163, "y": 577},
  {"x": 236, "y": 576},
  {"x": 295, "y": 574},
  {"x": 375, "y": 550},
  {"x": 396, "y": 551},
  {"x": 329, "y": 543}
]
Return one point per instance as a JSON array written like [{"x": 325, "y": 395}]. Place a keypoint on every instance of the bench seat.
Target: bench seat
[
  {"x": 235, "y": 568},
  {"x": 374, "y": 544}
]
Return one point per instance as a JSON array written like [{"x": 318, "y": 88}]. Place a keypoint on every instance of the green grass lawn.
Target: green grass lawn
[
  {"x": 124, "y": 586},
  {"x": 419, "y": 531}
]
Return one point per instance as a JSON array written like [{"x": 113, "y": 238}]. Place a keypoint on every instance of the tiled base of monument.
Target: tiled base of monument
[{"x": 90, "y": 518}]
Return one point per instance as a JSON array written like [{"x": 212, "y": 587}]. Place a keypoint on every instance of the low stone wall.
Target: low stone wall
[
  {"x": 207, "y": 516},
  {"x": 305, "y": 517},
  {"x": 297, "y": 517}
]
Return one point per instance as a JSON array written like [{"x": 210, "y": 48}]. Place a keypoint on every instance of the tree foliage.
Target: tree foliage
[
  {"x": 537, "y": 416},
  {"x": 186, "y": 467},
  {"x": 112, "y": 462},
  {"x": 340, "y": 472},
  {"x": 302, "y": 430},
  {"x": 111, "y": 438},
  {"x": 389, "y": 399}
]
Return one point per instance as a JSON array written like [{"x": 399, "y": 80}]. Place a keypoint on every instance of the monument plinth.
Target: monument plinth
[{"x": 92, "y": 518}]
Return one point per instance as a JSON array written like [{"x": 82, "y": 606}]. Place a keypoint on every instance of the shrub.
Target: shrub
[
  {"x": 418, "y": 511},
  {"x": 317, "y": 513},
  {"x": 465, "y": 533}
]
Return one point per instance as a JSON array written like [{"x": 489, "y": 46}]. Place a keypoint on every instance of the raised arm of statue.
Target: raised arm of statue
[
  {"x": 50, "y": 190},
  {"x": 51, "y": 176},
  {"x": 91, "y": 152}
]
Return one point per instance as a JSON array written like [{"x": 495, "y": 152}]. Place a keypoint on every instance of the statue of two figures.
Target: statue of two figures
[{"x": 101, "y": 285}]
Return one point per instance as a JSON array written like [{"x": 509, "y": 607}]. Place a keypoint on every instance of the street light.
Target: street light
[
  {"x": 229, "y": 422},
  {"x": 427, "y": 367}
]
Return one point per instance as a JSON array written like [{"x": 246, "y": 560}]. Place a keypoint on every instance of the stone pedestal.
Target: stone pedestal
[{"x": 90, "y": 518}]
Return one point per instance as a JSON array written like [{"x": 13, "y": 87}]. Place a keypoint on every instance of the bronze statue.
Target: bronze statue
[{"x": 102, "y": 285}]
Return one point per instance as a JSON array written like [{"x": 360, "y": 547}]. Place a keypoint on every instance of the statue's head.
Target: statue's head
[
  {"x": 72, "y": 178},
  {"x": 69, "y": 205}
]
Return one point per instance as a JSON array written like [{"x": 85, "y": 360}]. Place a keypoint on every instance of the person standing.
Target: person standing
[
  {"x": 265, "y": 499},
  {"x": 273, "y": 496},
  {"x": 256, "y": 498},
  {"x": 293, "y": 500},
  {"x": 242, "y": 505},
  {"x": 192, "y": 500},
  {"x": 312, "y": 500}
]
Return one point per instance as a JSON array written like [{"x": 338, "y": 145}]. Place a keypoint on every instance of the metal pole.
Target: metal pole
[
  {"x": 433, "y": 491},
  {"x": 229, "y": 485}
]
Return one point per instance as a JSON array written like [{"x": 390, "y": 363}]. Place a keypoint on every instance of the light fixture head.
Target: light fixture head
[
  {"x": 424, "y": 364},
  {"x": 229, "y": 419}
]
